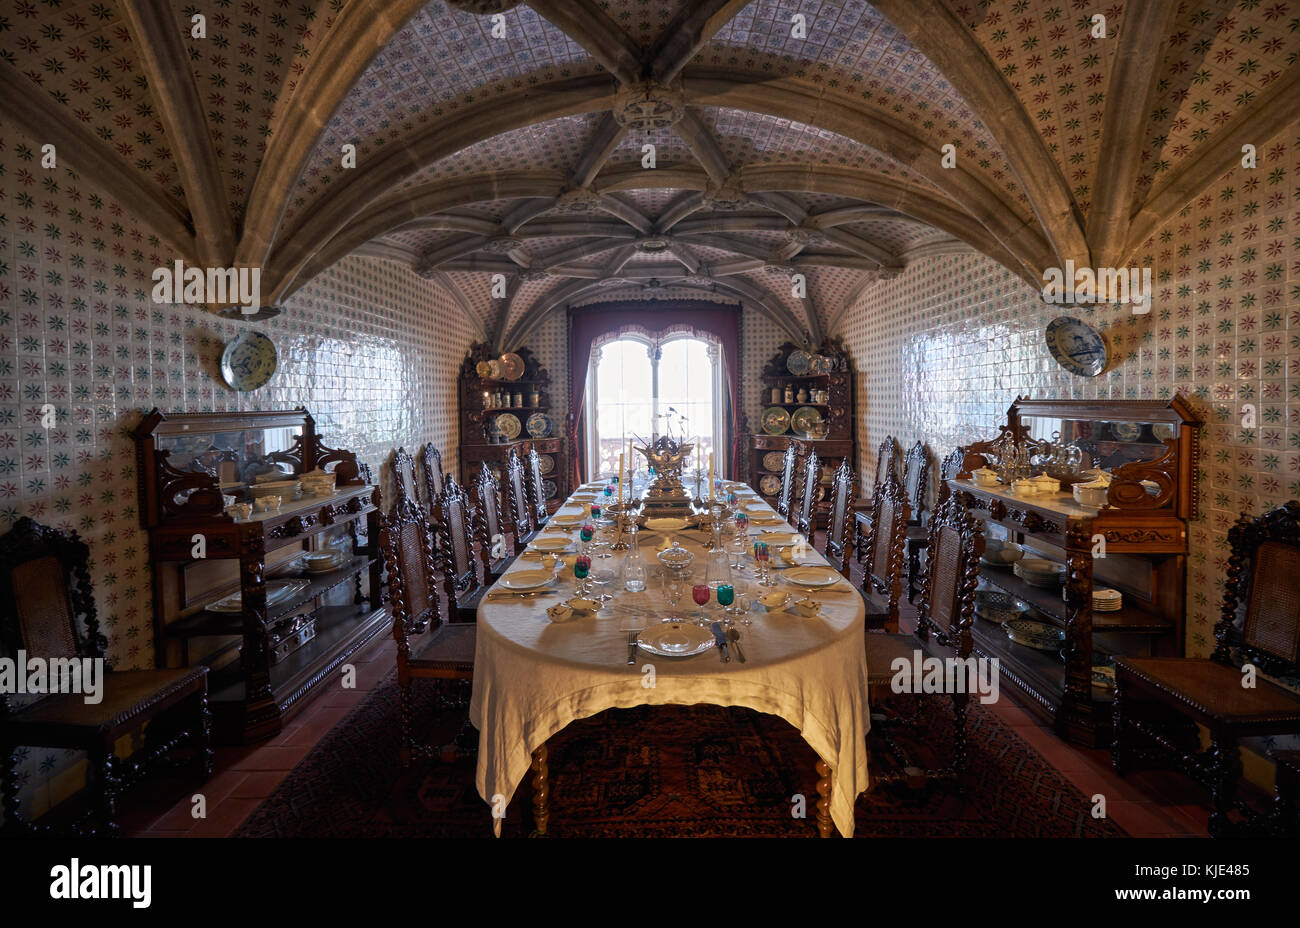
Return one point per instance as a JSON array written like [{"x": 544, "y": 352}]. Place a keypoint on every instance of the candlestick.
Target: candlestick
[
  {"x": 710, "y": 478},
  {"x": 620, "y": 477}
]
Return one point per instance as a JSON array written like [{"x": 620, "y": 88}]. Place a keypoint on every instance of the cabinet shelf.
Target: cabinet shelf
[{"x": 1050, "y": 604}]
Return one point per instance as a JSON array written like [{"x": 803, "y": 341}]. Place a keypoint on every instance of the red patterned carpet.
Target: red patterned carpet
[{"x": 689, "y": 771}]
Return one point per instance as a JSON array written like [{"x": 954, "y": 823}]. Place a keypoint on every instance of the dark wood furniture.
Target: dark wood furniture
[
  {"x": 427, "y": 648},
  {"x": 944, "y": 619},
  {"x": 267, "y": 656},
  {"x": 809, "y": 485},
  {"x": 479, "y": 408},
  {"x": 837, "y": 412},
  {"x": 1286, "y": 807},
  {"x": 462, "y": 561},
  {"x": 537, "y": 490},
  {"x": 1137, "y": 544},
  {"x": 886, "y": 463},
  {"x": 916, "y": 484},
  {"x": 47, "y": 613},
  {"x": 882, "y": 574},
  {"x": 789, "y": 474},
  {"x": 429, "y": 476},
  {"x": 492, "y": 536},
  {"x": 1160, "y": 701},
  {"x": 519, "y": 510},
  {"x": 836, "y": 551}
]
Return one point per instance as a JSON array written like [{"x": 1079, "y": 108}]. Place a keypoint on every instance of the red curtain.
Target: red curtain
[{"x": 588, "y": 324}]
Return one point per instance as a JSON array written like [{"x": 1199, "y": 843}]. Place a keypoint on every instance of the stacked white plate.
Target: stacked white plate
[
  {"x": 322, "y": 562},
  {"x": 1037, "y": 571},
  {"x": 1107, "y": 600}
]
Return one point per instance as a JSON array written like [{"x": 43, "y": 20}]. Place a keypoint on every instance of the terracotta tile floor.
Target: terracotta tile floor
[{"x": 1146, "y": 804}]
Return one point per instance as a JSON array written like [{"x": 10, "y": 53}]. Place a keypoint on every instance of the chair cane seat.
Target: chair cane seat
[
  {"x": 448, "y": 647},
  {"x": 883, "y": 649},
  {"x": 129, "y": 697},
  {"x": 1214, "y": 692}
]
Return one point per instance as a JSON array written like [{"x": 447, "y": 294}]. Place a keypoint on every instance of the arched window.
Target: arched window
[{"x": 637, "y": 385}]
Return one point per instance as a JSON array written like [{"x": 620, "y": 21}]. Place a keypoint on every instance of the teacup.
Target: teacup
[
  {"x": 808, "y": 607},
  {"x": 1024, "y": 488},
  {"x": 267, "y": 504},
  {"x": 241, "y": 511}
]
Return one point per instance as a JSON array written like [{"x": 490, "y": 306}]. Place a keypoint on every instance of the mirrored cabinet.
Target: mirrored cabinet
[
  {"x": 1086, "y": 505},
  {"x": 264, "y": 559}
]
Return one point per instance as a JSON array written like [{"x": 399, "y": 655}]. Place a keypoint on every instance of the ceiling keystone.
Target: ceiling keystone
[{"x": 648, "y": 105}]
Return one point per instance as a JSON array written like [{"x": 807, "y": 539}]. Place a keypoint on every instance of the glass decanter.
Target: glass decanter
[
  {"x": 634, "y": 566},
  {"x": 717, "y": 571}
]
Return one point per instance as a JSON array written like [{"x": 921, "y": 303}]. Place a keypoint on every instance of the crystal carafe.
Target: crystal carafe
[
  {"x": 634, "y": 566},
  {"x": 717, "y": 571}
]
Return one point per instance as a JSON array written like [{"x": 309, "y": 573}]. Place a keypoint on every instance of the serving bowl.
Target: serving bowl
[
  {"x": 999, "y": 607},
  {"x": 808, "y": 608}
]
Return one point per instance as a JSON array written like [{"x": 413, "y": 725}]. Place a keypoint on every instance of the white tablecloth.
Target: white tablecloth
[{"x": 533, "y": 677}]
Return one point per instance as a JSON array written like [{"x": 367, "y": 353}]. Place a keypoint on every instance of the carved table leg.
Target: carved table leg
[
  {"x": 823, "y": 803},
  {"x": 1223, "y": 780},
  {"x": 541, "y": 790},
  {"x": 203, "y": 737},
  {"x": 13, "y": 823},
  {"x": 103, "y": 764}
]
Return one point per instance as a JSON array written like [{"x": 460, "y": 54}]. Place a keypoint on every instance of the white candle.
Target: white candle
[
  {"x": 620, "y": 476},
  {"x": 710, "y": 478}
]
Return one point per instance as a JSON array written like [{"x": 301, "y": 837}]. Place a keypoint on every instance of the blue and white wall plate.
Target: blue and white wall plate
[
  {"x": 1077, "y": 346},
  {"x": 249, "y": 361}
]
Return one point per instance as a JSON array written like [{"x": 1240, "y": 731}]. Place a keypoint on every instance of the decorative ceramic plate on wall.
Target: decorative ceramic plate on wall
[
  {"x": 249, "y": 361},
  {"x": 508, "y": 423},
  {"x": 549, "y": 488},
  {"x": 548, "y": 465},
  {"x": 1077, "y": 346},
  {"x": 799, "y": 362},
  {"x": 483, "y": 369},
  {"x": 774, "y": 461},
  {"x": 776, "y": 421},
  {"x": 512, "y": 366},
  {"x": 539, "y": 425},
  {"x": 770, "y": 484},
  {"x": 806, "y": 422}
]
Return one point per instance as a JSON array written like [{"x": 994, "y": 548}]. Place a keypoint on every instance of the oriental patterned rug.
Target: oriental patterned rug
[{"x": 665, "y": 771}]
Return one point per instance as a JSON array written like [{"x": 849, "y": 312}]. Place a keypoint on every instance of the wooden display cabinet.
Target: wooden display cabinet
[
  {"x": 1136, "y": 543},
  {"x": 270, "y": 653},
  {"x": 481, "y": 443},
  {"x": 837, "y": 412}
]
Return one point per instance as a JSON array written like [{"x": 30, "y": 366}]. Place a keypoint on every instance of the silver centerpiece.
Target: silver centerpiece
[{"x": 666, "y": 496}]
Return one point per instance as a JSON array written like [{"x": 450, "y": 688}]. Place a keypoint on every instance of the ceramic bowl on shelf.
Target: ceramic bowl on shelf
[
  {"x": 1037, "y": 635},
  {"x": 283, "y": 488},
  {"x": 999, "y": 607},
  {"x": 1024, "y": 488},
  {"x": 1000, "y": 553},
  {"x": 1046, "y": 485},
  {"x": 985, "y": 477},
  {"x": 1091, "y": 495}
]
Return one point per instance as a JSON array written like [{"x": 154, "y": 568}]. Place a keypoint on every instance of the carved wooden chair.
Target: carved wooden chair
[
  {"x": 462, "y": 561},
  {"x": 430, "y": 475},
  {"x": 519, "y": 516},
  {"x": 805, "y": 521},
  {"x": 400, "y": 467},
  {"x": 789, "y": 471},
  {"x": 1286, "y": 807},
  {"x": 882, "y": 574},
  {"x": 492, "y": 536},
  {"x": 837, "y": 522},
  {"x": 944, "y": 618},
  {"x": 1160, "y": 701},
  {"x": 47, "y": 611},
  {"x": 427, "y": 648},
  {"x": 537, "y": 490},
  {"x": 916, "y": 485},
  {"x": 886, "y": 463}
]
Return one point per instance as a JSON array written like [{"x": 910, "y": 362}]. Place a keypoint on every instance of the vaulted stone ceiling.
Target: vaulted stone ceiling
[{"x": 793, "y": 137}]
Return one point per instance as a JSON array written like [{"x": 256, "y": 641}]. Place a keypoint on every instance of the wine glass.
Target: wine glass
[
  {"x": 603, "y": 575},
  {"x": 740, "y": 609},
  {"x": 585, "y": 534},
  {"x": 726, "y": 596},
  {"x": 700, "y": 593},
  {"x": 763, "y": 556},
  {"x": 581, "y": 568},
  {"x": 674, "y": 585}
]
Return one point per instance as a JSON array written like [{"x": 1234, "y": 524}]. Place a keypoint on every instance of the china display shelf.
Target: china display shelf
[
  {"x": 1049, "y": 603},
  {"x": 793, "y": 378},
  {"x": 209, "y": 622},
  {"x": 1033, "y": 672}
]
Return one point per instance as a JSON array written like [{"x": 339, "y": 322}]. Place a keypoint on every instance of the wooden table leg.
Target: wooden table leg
[
  {"x": 541, "y": 790},
  {"x": 824, "y": 803}
]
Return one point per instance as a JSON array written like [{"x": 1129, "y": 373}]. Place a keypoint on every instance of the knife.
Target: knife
[
  {"x": 631, "y": 647},
  {"x": 721, "y": 638}
]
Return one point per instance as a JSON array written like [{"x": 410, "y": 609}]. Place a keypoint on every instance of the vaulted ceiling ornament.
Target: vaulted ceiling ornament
[
  {"x": 578, "y": 200},
  {"x": 649, "y": 105},
  {"x": 725, "y": 196},
  {"x": 803, "y": 236},
  {"x": 652, "y": 244},
  {"x": 502, "y": 244}
]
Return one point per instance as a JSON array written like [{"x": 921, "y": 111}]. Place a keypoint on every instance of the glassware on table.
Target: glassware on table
[
  {"x": 581, "y": 569},
  {"x": 701, "y": 594},
  {"x": 739, "y": 610},
  {"x": 726, "y": 597},
  {"x": 763, "y": 556},
  {"x": 634, "y": 566},
  {"x": 717, "y": 569},
  {"x": 674, "y": 586},
  {"x": 585, "y": 534},
  {"x": 603, "y": 575}
]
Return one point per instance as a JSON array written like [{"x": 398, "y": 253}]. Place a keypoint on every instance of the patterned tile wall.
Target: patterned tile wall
[
  {"x": 943, "y": 349},
  {"x": 371, "y": 349}
]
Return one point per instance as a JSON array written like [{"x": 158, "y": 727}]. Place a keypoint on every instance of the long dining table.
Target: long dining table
[{"x": 532, "y": 676}]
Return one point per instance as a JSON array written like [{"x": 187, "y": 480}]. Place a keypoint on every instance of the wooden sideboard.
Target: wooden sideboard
[{"x": 1136, "y": 543}]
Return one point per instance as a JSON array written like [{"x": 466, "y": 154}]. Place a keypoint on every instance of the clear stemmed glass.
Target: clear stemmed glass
[
  {"x": 603, "y": 575},
  {"x": 674, "y": 585}
]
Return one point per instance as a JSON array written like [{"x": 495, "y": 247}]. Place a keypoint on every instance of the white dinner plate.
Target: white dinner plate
[
  {"x": 569, "y": 518},
  {"x": 552, "y": 543},
  {"x": 778, "y": 539},
  {"x": 812, "y": 576},
  {"x": 675, "y": 639},
  {"x": 759, "y": 518},
  {"x": 522, "y": 580}
]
